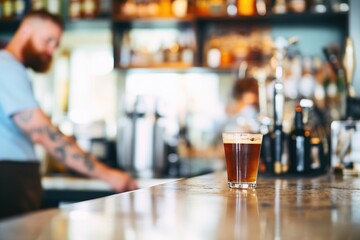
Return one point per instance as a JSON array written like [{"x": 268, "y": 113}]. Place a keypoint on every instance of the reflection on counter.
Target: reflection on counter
[{"x": 60, "y": 189}]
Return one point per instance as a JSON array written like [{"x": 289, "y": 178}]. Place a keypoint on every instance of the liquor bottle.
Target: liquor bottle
[
  {"x": 74, "y": 9},
  {"x": 319, "y": 6},
  {"x": 89, "y": 8},
  {"x": 231, "y": 7},
  {"x": 37, "y": 4},
  {"x": 7, "y": 9},
  {"x": 54, "y": 6},
  {"x": 165, "y": 8},
  {"x": 279, "y": 7},
  {"x": 246, "y": 7},
  {"x": 19, "y": 8},
  {"x": 299, "y": 145},
  {"x": 179, "y": 8},
  {"x": 297, "y": 6}
]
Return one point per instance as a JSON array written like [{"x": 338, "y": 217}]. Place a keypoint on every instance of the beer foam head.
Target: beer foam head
[{"x": 244, "y": 138}]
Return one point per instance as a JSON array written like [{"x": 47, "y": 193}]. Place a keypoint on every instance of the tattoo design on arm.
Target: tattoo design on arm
[
  {"x": 54, "y": 134},
  {"x": 61, "y": 152},
  {"x": 86, "y": 160},
  {"x": 88, "y": 163},
  {"x": 77, "y": 156}
]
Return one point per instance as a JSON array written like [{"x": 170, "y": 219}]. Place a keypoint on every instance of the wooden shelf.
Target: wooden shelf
[
  {"x": 298, "y": 16},
  {"x": 118, "y": 18},
  {"x": 173, "y": 66},
  {"x": 301, "y": 17}
]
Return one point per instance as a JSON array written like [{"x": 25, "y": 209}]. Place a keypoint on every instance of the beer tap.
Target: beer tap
[
  {"x": 349, "y": 66},
  {"x": 281, "y": 45}
]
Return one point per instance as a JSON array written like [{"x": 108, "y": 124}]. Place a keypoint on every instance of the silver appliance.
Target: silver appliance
[{"x": 141, "y": 137}]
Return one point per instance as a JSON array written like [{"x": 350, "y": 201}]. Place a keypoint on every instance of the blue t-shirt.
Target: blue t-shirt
[{"x": 16, "y": 95}]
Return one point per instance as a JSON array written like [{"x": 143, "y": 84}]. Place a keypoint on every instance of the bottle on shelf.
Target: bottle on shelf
[
  {"x": 7, "y": 9},
  {"x": 296, "y": 6},
  {"x": 38, "y": 4},
  {"x": 19, "y": 8},
  {"x": 127, "y": 8},
  {"x": 54, "y": 6},
  {"x": 319, "y": 6},
  {"x": 214, "y": 7},
  {"x": 179, "y": 8},
  {"x": 89, "y": 8},
  {"x": 74, "y": 9},
  {"x": 340, "y": 6},
  {"x": 261, "y": 7},
  {"x": 279, "y": 7},
  {"x": 246, "y": 7},
  {"x": 299, "y": 145},
  {"x": 231, "y": 8},
  {"x": 165, "y": 8}
]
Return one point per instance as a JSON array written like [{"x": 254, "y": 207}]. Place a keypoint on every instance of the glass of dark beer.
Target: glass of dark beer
[{"x": 242, "y": 153}]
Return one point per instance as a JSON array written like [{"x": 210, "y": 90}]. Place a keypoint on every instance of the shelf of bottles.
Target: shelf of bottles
[
  {"x": 130, "y": 10},
  {"x": 77, "y": 14},
  {"x": 13, "y": 10},
  {"x": 220, "y": 40},
  {"x": 220, "y": 35}
]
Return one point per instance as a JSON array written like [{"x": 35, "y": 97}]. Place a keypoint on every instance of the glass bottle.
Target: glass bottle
[
  {"x": 279, "y": 7},
  {"x": 231, "y": 8},
  {"x": 19, "y": 8},
  {"x": 299, "y": 145},
  {"x": 89, "y": 8},
  {"x": 340, "y": 5},
  {"x": 74, "y": 9},
  {"x": 7, "y": 9},
  {"x": 246, "y": 7},
  {"x": 37, "y": 4},
  {"x": 297, "y": 6},
  {"x": 165, "y": 8},
  {"x": 54, "y": 6},
  {"x": 319, "y": 6}
]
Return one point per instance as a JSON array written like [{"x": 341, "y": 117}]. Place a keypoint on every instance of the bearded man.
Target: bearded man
[{"x": 23, "y": 123}]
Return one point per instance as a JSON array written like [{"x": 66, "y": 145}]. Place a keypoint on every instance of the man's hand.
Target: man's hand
[{"x": 120, "y": 181}]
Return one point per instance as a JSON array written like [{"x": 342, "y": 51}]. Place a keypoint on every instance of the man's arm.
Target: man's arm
[{"x": 41, "y": 131}]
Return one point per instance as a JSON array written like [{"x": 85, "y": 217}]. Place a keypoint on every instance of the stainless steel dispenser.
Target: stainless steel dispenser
[
  {"x": 141, "y": 144},
  {"x": 279, "y": 144},
  {"x": 279, "y": 100}
]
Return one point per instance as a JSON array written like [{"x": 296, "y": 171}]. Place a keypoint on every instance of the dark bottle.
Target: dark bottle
[{"x": 299, "y": 145}]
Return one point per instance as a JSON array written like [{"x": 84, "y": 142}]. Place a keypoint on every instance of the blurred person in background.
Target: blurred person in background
[
  {"x": 23, "y": 123},
  {"x": 242, "y": 109}
]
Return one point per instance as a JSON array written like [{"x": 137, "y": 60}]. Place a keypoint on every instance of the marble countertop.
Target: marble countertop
[{"x": 203, "y": 207}]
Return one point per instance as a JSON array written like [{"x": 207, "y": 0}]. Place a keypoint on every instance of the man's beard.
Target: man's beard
[{"x": 37, "y": 61}]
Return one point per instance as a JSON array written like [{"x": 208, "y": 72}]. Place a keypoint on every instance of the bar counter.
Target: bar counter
[{"x": 325, "y": 207}]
